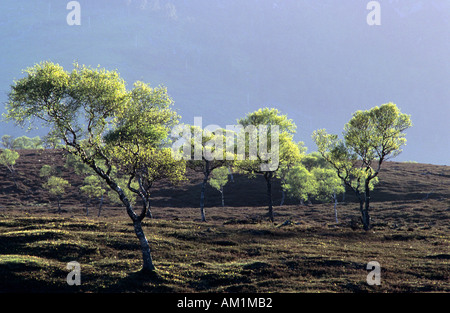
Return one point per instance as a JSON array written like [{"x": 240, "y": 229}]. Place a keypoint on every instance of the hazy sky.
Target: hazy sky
[{"x": 317, "y": 61}]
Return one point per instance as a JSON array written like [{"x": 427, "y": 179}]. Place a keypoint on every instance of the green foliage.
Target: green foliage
[
  {"x": 56, "y": 186},
  {"x": 370, "y": 138},
  {"x": 312, "y": 178},
  {"x": 22, "y": 142},
  {"x": 8, "y": 158},
  {"x": 300, "y": 183},
  {"x": 99, "y": 121},
  {"x": 76, "y": 105},
  {"x": 208, "y": 150},
  {"x": 136, "y": 144},
  {"x": 377, "y": 133},
  {"x": 313, "y": 160},
  {"x": 75, "y": 162},
  {"x": 7, "y": 141},
  {"x": 145, "y": 119},
  {"x": 25, "y": 142},
  {"x": 219, "y": 178},
  {"x": 328, "y": 184},
  {"x": 268, "y": 116},
  {"x": 46, "y": 171},
  {"x": 280, "y": 149},
  {"x": 92, "y": 187},
  {"x": 271, "y": 150}
]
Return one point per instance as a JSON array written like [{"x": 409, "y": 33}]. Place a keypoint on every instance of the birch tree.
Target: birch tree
[
  {"x": 267, "y": 136},
  {"x": 208, "y": 152},
  {"x": 81, "y": 107},
  {"x": 328, "y": 186},
  {"x": 219, "y": 179},
  {"x": 56, "y": 187},
  {"x": 369, "y": 139},
  {"x": 8, "y": 159}
]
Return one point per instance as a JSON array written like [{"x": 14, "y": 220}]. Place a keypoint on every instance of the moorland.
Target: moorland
[{"x": 237, "y": 249}]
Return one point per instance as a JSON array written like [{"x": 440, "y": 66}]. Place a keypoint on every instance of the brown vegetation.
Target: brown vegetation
[{"x": 237, "y": 250}]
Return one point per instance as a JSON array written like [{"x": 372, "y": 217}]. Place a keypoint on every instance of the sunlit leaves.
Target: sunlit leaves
[
  {"x": 146, "y": 118},
  {"x": 117, "y": 132},
  {"x": 300, "y": 183},
  {"x": 273, "y": 143},
  {"x": 39, "y": 95},
  {"x": 377, "y": 133},
  {"x": 219, "y": 178},
  {"x": 370, "y": 138},
  {"x": 56, "y": 186},
  {"x": 327, "y": 184},
  {"x": 8, "y": 158}
]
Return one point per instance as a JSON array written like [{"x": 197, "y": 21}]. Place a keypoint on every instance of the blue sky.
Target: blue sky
[{"x": 316, "y": 61}]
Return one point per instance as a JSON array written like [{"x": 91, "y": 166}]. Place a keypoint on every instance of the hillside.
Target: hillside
[
  {"x": 236, "y": 250},
  {"x": 398, "y": 182}
]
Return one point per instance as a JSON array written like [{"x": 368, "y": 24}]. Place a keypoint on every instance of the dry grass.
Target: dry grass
[
  {"x": 237, "y": 254},
  {"x": 237, "y": 250}
]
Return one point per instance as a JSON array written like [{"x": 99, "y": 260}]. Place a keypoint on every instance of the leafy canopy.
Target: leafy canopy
[
  {"x": 370, "y": 138},
  {"x": 8, "y": 158},
  {"x": 328, "y": 184},
  {"x": 99, "y": 121},
  {"x": 56, "y": 186},
  {"x": 92, "y": 187},
  {"x": 300, "y": 183},
  {"x": 273, "y": 142},
  {"x": 219, "y": 178}
]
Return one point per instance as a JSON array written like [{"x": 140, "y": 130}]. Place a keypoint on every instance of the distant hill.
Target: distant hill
[
  {"x": 316, "y": 61},
  {"x": 398, "y": 182}
]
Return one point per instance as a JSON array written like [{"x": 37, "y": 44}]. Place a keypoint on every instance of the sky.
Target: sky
[{"x": 316, "y": 61}]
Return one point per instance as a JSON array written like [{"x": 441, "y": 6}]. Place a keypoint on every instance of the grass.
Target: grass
[
  {"x": 237, "y": 250},
  {"x": 229, "y": 255}
]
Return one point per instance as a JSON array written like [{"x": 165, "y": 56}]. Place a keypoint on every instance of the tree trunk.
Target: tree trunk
[
  {"x": 366, "y": 216},
  {"x": 145, "y": 247},
  {"x": 335, "y": 207},
  {"x": 231, "y": 174},
  {"x": 361, "y": 205},
  {"x": 59, "y": 205},
  {"x": 361, "y": 209},
  {"x": 283, "y": 195},
  {"x": 202, "y": 200},
  {"x": 268, "y": 177},
  {"x": 223, "y": 200},
  {"x": 13, "y": 175},
  {"x": 100, "y": 206},
  {"x": 87, "y": 206},
  {"x": 202, "y": 194},
  {"x": 149, "y": 211}
]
